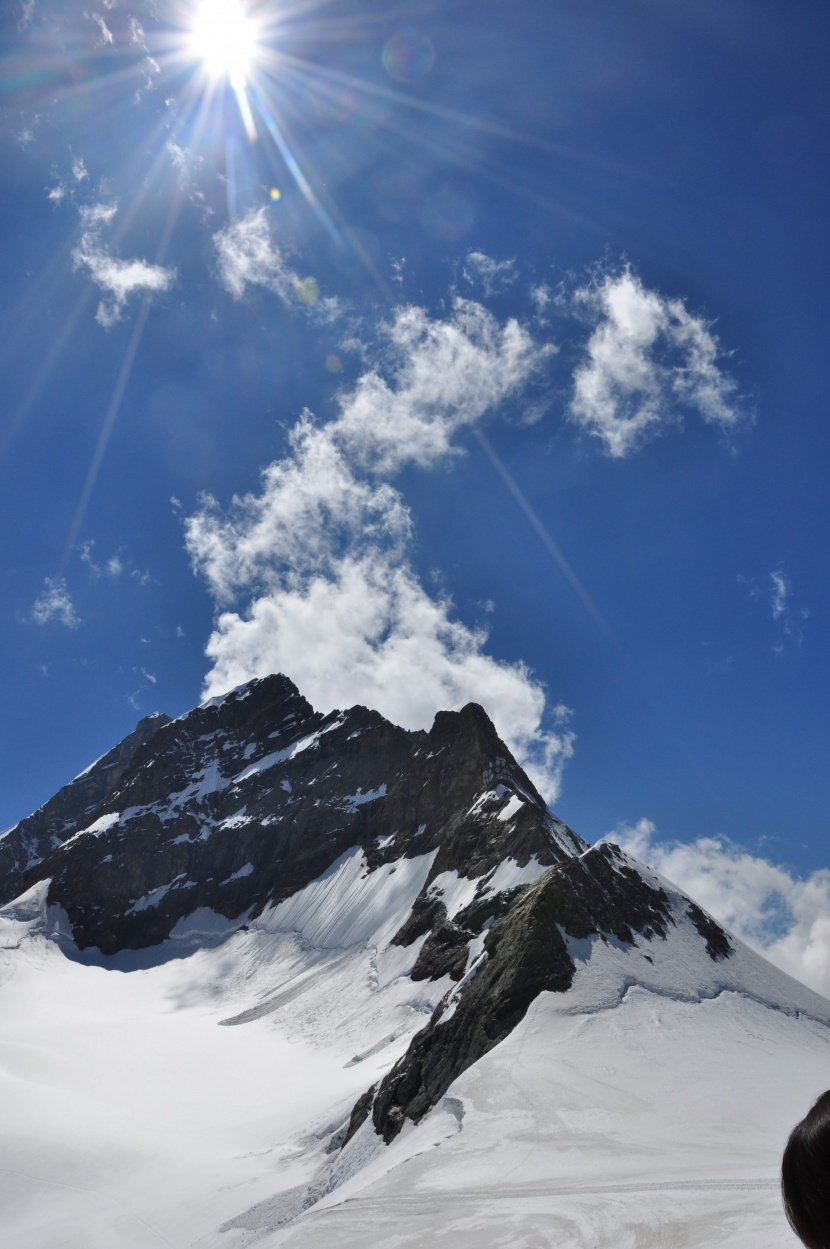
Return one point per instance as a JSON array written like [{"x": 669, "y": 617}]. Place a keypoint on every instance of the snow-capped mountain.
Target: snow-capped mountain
[{"x": 441, "y": 1013}]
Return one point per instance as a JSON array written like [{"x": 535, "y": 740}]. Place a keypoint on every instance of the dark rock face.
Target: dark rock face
[
  {"x": 718, "y": 944},
  {"x": 29, "y": 842},
  {"x": 444, "y": 953},
  {"x": 360, "y": 1113},
  {"x": 525, "y": 953},
  {"x": 247, "y": 799}
]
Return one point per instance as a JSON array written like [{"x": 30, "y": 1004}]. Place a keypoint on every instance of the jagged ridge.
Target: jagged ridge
[
  {"x": 525, "y": 953},
  {"x": 248, "y": 798}
]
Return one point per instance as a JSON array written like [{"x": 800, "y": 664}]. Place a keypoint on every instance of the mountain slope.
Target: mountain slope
[{"x": 298, "y": 978}]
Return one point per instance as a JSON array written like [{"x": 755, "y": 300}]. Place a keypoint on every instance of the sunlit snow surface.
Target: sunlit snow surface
[{"x": 164, "y": 1096}]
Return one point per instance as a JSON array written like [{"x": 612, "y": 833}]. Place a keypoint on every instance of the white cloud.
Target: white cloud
[
  {"x": 781, "y": 591},
  {"x": 541, "y": 298},
  {"x": 182, "y": 158},
  {"x": 66, "y": 189},
  {"x": 785, "y": 917},
  {"x": 494, "y": 275},
  {"x": 319, "y": 555},
  {"x": 247, "y": 257},
  {"x": 95, "y": 215},
  {"x": 435, "y": 377},
  {"x": 151, "y": 69},
  {"x": 54, "y": 603},
  {"x": 105, "y": 34},
  {"x": 112, "y": 567},
  {"x": 776, "y": 589},
  {"x": 785, "y": 615},
  {"x": 119, "y": 279},
  {"x": 647, "y": 358}
]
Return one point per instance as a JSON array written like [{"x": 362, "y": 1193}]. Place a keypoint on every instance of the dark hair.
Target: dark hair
[{"x": 805, "y": 1176}]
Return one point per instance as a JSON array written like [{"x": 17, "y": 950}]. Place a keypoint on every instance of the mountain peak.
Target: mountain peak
[
  {"x": 403, "y": 913},
  {"x": 245, "y": 799}
]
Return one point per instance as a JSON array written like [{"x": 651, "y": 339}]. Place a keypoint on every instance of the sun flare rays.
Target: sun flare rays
[{"x": 225, "y": 38}]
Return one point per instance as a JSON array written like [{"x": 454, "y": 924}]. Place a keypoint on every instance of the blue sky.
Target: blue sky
[{"x": 549, "y": 283}]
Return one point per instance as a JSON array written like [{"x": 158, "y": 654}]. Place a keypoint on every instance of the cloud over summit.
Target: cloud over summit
[
  {"x": 312, "y": 573},
  {"x": 319, "y": 557}
]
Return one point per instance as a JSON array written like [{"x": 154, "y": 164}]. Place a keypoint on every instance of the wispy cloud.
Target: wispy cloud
[
  {"x": 54, "y": 603},
  {"x": 112, "y": 567},
  {"x": 647, "y": 359},
  {"x": 541, "y": 298},
  {"x": 246, "y": 256},
  {"x": 119, "y": 279},
  {"x": 67, "y": 187},
  {"x": 492, "y": 275},
  {"x": 320, "y": 555},
  {"x": 105, "y": 36},
  {"x": 433, "y": 378},
  {"x": 95, "y": 215},
  {"x": 784, "y": 916},
  {"x": 774, "y": 592},
  {"x": 781, "y": 591}
]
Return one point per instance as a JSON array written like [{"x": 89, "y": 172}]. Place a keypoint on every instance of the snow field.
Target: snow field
[
  {"x": 656, "y": 1123},
  {"x": 131, "y": 1117},
  {"x": 155, "y": 1098}
]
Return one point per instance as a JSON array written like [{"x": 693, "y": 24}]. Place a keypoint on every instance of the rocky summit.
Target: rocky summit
[{"x": 244, "y": 801}]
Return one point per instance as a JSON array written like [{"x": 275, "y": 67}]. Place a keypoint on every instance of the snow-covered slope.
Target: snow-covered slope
[
  {"x": 559, "y": 1047},
  {"x": 154, "y": 1098}
]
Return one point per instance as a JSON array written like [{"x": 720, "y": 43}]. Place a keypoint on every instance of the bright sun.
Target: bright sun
[{"x": 224, "y": 38}]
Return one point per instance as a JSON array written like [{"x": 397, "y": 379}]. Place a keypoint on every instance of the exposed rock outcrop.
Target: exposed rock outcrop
[
  {"x": 596, "y": 895},
  {"x": 248, "y": 798},
  {"x": 26, "y": 844}
]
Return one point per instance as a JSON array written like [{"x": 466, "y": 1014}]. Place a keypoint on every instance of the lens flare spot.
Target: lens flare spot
[
  {"x": 333, "y": 363},
  {"x": 275, "y": 193},
  {"x": 408, "y": 56},
  {"x": 307, "y": 291}
]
